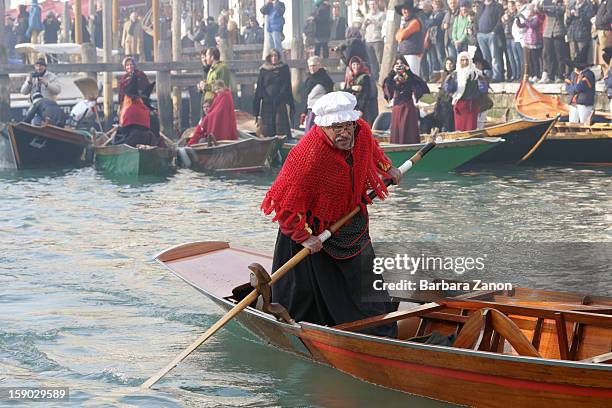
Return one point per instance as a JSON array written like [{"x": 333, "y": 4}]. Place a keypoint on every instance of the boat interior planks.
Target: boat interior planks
[{"x": 530, "y": 347}]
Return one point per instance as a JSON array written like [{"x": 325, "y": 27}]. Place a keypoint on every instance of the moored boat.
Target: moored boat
[
  {"x": 522, "y": 139},
  {"x": 566, "y": 362},
  {"x": 29, "y": 146},
  {"x": 447, "y": 155},
  {"x": 127, "y": 161},
  {"x": 592, "y": 148},
  {"x": 246, "y": 155},
  {"x": 532, "y": 104}
]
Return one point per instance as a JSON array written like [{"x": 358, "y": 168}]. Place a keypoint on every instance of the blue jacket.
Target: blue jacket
[
  {"x": 35, "y": 22},
  {"x": 473, "y": 89},
  {"x": 581, "y": 88},
  {"x": 275, "y": 12}
]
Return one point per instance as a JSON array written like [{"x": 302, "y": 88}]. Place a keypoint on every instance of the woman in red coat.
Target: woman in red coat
[{"x": 220, "y": 118}]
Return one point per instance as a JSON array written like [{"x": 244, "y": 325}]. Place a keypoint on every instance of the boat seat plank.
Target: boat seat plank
[
  {"x": 605, "y": 358},
  {"x": 388, "y": 317}
]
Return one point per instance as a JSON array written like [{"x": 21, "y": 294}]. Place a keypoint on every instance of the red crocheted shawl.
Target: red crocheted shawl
[{"x": 318, "y": 184}]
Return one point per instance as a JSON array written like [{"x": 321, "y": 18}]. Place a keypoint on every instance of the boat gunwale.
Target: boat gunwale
[
  {"x": 50, "y": 132},
  {"x": 202, "y": 147},
  {"x": 383, "y": 340}
]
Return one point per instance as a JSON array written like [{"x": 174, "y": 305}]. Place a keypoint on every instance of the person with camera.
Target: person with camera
[
  {"x": 41, "y": 81},
  {"x": 404, "y": 87}
]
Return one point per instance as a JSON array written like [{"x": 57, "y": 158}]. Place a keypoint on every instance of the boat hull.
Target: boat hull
[
  {"x": 459, "y": 376},
  {"x": 581, "y": 149},
  {"x": 43, "y": 146},
  {"x": 444, "y": 158},
  {"x": 246, "y": 155},
  {"x": 520, "y": 138},
  {"x": 127, "y": 161}
]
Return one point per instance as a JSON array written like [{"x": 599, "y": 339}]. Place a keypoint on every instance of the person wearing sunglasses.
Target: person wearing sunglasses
[{"x": 327, "y": 174}]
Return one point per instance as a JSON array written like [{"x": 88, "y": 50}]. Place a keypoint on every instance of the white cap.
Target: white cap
[{"x": 335, "y": 107}]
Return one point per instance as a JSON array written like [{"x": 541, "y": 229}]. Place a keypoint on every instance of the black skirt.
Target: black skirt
[{"x": 329, "y": 291}]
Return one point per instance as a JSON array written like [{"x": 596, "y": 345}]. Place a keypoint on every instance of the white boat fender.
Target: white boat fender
[{"x": 184, "y": 159}]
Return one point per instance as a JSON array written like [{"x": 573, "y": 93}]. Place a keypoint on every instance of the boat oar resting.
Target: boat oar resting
[{"x": 252, "y": 297}]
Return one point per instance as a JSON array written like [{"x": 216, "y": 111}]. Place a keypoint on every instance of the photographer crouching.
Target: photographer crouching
[{"x": 41, "y": 81}]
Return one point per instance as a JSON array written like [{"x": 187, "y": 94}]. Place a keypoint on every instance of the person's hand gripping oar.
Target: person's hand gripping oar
[{"x": 297, "y": 258}]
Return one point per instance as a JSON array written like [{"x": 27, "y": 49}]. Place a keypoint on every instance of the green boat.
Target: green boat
[
  {"x": 125, "y": 161},
  {"x": 447, "y": 155}
]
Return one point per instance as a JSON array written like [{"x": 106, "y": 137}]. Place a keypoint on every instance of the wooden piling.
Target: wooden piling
[
  {"x": 297, "y": 51},
  {"x": 92, "y": 14},
  {"x": 164, "y": 100},
  {"x": 176, "y": 56},
  {"x": 115, "y": 36},
  {"x": 107, "y": 26},
  {"x": 78, "y": 22},
  {"x": 155, "y": 18},
  {"x": 66, "y": 22},
  {"x": 5, "y": 84},
  {"x": 389, "y": 52},
  {"x": 88, "y": 56}
]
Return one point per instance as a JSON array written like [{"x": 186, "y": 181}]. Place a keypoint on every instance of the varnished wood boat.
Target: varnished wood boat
[
  {"x": 27, "y": 146},
  {"x": 524, "y": 347},
  {"x": 245, "y": 155},
  {"x": 522, "y": 138},
  {"x": 127, "y": 161},
  {"x": 532, "y": 104}
]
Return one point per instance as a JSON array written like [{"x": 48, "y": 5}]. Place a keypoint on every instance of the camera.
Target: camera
[{"x": 36, "y": 74}]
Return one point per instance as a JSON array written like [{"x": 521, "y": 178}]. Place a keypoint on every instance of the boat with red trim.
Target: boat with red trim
[{"x": 528, "y": 347}]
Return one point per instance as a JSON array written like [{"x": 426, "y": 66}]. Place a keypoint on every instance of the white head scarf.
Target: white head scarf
[{"x": 464, "y": 74}]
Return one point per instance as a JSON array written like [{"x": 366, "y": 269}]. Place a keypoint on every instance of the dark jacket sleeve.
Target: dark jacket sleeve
[
  {"x": 258, "y": 94},
  {"x": 32, "y": 111},
  {"x": 266, "y": 9}
]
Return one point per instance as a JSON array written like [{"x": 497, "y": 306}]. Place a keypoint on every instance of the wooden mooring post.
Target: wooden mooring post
[
  {"x": 88, "y": 56},
  {"x": 176, "y": 56},
  {"x": 164, "y": 99},
  {"x": 78, "y": 22},
  {"x": 107, "y": 31},
  {"x": 5, "y": 83}
]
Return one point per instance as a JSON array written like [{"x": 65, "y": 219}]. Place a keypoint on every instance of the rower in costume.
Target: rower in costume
[{"x": 325, "y": 176}]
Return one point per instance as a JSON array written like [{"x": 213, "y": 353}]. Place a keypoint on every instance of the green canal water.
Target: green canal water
[{"x": 82, "y": 304}]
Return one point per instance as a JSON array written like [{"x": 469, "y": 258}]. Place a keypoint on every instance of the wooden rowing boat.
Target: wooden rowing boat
[
  {"x": 532, "y": 104},
  {"x": 127, "y": 161},
  {"x": 527, "y": 347},
  {"x": 590, "y": 148},
  {"x": 448, "y": 154},
  {"x": 247, "y": 155},
  {"x": 26, "y": 146},
  {"x": 522, "y": 138}
]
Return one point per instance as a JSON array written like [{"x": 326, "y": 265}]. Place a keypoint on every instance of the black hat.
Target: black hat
[
  {"x": 479, "y": 58},
  {"x": 41, "y": 61},
  {"x": 580, "y": 65},
  {"x": 406, "y": 4}
]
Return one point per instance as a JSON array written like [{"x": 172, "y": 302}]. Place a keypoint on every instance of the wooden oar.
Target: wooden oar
[{"x": 297, "y": 258}]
